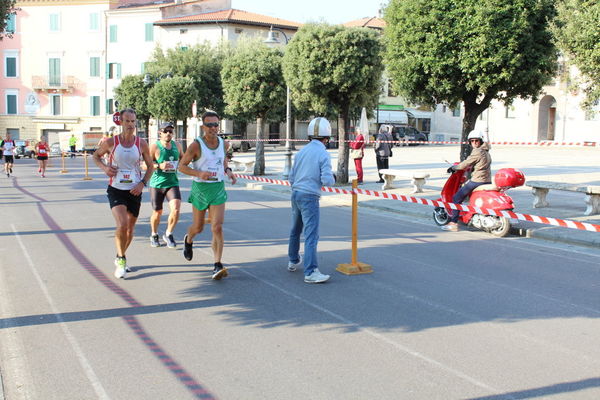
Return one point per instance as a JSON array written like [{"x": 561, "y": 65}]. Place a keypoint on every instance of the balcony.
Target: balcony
[{"x": 54, "y": 84}]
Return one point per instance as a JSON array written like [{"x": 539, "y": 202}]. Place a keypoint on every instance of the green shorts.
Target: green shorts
[{"x": 207, "y": 194}]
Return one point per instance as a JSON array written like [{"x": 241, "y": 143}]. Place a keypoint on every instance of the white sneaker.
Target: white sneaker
[
  {"x": 292, "y": 267},
  {"x": 170, "y": 241},
  {"x": 316, "y": 277},
  {"x": 121, "y": 270}
]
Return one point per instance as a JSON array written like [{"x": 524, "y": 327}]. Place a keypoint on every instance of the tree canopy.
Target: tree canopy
[
  {"x": 202, "y": 62},
  {"x": 331, "y": 70},
  {"x": 254, "y": 89},
  {"x": 578, "y": 32},
  {"x": 171, "y": 99},
  {"x": 133, "y": 93},
  {"x": 7, "y": 7},
  {"x": 474, "y": 51}
]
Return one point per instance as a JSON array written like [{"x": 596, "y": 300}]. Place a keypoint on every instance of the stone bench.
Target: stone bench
[
  {"x": 541, "y": 188},
  {"x": 417, "y": 178},
  {"x": 244, "y": 166}
]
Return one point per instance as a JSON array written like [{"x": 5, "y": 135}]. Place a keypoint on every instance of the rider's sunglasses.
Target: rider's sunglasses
[
  {"x": 168, "y": 131},
  {"x": 211, "y": 124}
]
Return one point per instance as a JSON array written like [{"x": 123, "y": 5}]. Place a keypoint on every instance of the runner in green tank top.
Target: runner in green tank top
[{"x": 165, "y": 183}]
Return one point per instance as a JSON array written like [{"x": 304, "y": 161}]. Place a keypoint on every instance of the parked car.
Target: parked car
[
  {"x": 237, "y": 141},
  {"x": 408, "y": 134},
  {"x": 24, "y": 149},
  {"x": 55, "y": 150}
]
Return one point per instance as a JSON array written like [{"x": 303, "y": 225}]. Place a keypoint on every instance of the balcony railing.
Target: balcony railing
[{"x": 53, "y": 84}]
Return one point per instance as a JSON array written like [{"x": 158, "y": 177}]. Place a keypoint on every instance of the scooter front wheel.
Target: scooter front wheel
[
  {"x": 440, "y": 216},
  {"x": 501, "y": 228}
]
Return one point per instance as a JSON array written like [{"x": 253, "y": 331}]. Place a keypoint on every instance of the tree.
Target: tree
[
  {"x": 133, "y": 93},
  {"x": 202, "y": 63},
  {"x": 7, "y": 7},
  {"x": 171, "y": 99},
  {"x": 332, "y": 70},
  {"x": 254, "y": 89},
  {"x": 474, "y": 51},
  {"x": 578, "y": 37}
]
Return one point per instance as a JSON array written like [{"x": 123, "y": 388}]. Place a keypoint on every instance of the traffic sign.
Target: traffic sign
[{"x": 117, "y": 118}]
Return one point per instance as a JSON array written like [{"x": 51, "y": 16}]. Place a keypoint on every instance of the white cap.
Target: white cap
[{"x": 319, "y": 127}]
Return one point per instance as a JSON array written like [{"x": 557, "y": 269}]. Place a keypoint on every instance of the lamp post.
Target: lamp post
[{"x": 272, "y": 39}]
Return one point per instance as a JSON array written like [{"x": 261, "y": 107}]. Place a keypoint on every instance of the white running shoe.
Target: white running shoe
[
  {"x": 121, "y": 270},
  {"x": 154, "y": 241},
  {"x": 316, "y": 277},
  {"x": 293, "y": 266},
  {"x": 170, "y": 241}
]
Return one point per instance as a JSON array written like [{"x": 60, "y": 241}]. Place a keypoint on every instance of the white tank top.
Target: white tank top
[
  {"x": 127, "y": 161},
  {"x": 211, "y": 160}
]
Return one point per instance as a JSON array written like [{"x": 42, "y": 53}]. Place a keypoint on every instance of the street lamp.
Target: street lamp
[{"x": 272, "y": 39}]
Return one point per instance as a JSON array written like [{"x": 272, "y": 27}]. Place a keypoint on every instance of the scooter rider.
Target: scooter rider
[{"x": 480, "y": 162}]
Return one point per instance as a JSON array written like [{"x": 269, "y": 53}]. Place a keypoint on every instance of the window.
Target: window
[
  {"x": 11, "y": 101},
  {"x": 55, "y": 104},
  {"x": 11, "y": 23},
  {"x": 94, "y": 22},
  {"x": 509, "y": 111},
  {"x": 113, "y": 34},
  {"x": 183, "y": 48},
  {"x": 143, "y": 68},
  {"x": 456, "y": 111},
  {"x": 54, "y": 22},
  {"x": 110, "y": 106},
  {"x": 95, "y": 66},
  {"x": 54, "y": 72},
  {"x": 113, "y": 71},
  {"x": 182, "y": 31},
  {"x": 593, "y": 113},
  {"x": 10, "y": 66},
  {"x": 149, "y": 32},
  {"x": 95, "y": 105},
  {"x": 238, "y": 30}
]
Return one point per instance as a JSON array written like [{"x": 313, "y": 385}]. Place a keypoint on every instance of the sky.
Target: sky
[{"x": 331, "y": 11}]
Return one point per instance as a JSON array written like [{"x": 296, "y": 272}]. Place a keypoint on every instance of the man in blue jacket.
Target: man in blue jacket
[{"x": 311, "y": 171}]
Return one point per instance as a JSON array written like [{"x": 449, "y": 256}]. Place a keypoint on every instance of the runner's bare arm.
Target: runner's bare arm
[
  {"x": 104, "y": 148},
  {"x": 192, "y": 153},
  {"x": 228, "y": 171}
]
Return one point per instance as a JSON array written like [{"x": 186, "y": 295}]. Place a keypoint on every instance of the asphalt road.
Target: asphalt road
[{"x": 443, "y": 316}]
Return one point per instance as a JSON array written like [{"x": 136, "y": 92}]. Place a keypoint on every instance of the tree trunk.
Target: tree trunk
[
  {"x": 259, "y": 164},
  {"x": 472, "y": 112},
  {"x": 343, "y": 127}
]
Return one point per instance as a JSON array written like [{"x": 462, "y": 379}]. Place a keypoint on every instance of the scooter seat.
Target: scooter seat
[{"x": 487, "y": 186}]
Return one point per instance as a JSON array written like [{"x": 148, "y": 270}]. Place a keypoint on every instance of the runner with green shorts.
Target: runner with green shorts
[{"x": 207, "y": 155}]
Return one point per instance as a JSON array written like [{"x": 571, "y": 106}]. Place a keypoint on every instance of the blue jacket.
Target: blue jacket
[{"x": 312, "y": 169}]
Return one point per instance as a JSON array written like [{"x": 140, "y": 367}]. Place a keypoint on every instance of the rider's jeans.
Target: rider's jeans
[
  {"x": 462, "y": 193},
  {"x": 305, "y": 216}
]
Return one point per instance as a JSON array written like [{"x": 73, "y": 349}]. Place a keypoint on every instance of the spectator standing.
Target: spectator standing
[
  {"x": 72, "y": 144},
  {"x": 383, "y": 149},
  {"x": 358, "y": 154},
  {"x": 310, "y": 171}
]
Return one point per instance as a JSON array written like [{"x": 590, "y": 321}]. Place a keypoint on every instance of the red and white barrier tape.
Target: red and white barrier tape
[{"x": 419, "y": 200}]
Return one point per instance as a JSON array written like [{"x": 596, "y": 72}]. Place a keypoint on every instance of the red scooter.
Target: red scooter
[{"x": 490, "y": 196}]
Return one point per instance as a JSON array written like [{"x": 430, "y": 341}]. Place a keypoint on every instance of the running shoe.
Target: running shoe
[
  {"x": 121, "y": 270},
  {"x": 219, "y": 271},
  {"x": 170, "y": 241},
  {"x": 154, "y": 241},
  {"x": 293, "y": 266},
  {"x": 316, "y": 277},
  {"x": 188, "y": 252}
]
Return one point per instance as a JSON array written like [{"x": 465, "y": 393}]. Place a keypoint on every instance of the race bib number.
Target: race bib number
[
  {"x": 124, "y": 176},
  {"x": 42, "y": 151},
  {"x": 213, "y": 174},
  {"x": 171, "y": 166}
]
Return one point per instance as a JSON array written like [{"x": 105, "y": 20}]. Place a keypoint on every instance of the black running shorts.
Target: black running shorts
[
  {"x": 157, "y": 196},
  {"x": 117, "y": 197}
]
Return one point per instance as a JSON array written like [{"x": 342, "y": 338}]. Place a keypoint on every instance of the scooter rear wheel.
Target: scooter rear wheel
[
  {"x": 440, "y": 216},
  {"x": 503, "y": 227}
]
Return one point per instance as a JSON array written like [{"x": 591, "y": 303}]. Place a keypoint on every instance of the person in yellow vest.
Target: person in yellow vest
[{"x": 72, "y": 144}]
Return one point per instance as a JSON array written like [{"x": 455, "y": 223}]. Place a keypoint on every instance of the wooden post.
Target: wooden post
[
  {"x": 86, "y": 177},
  {"x": 62, "y": 160}
]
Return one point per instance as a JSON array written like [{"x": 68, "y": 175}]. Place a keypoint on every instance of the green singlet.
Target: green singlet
[{"x": 168, "y": 178}]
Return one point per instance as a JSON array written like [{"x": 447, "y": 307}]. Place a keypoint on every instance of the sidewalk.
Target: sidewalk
[{"x": 562, "y": 164}]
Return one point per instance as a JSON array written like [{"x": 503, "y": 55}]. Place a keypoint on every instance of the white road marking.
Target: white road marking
[{"x": 87, "y": 368}]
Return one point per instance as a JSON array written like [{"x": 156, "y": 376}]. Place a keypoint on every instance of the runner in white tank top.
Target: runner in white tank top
[{"x": 126, "y": 183}]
